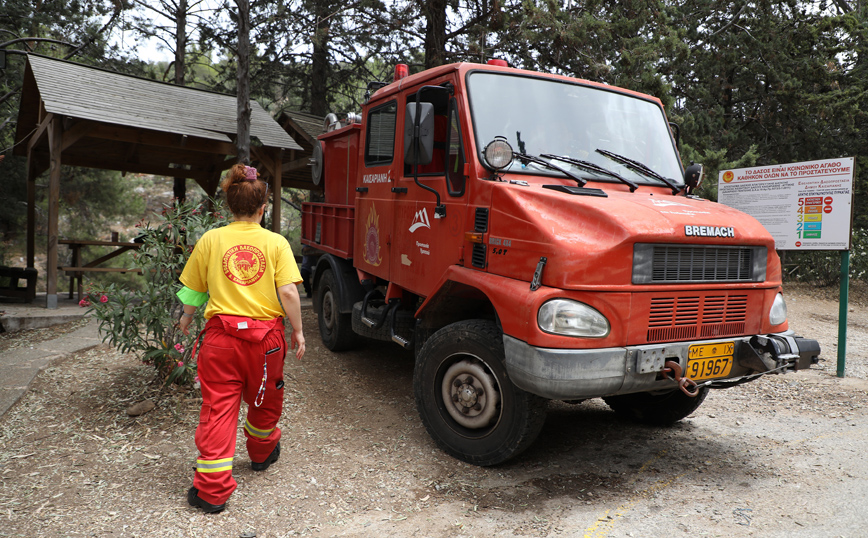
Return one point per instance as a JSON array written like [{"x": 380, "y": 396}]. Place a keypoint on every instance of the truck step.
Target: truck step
[{"x": 404, "y": 322}]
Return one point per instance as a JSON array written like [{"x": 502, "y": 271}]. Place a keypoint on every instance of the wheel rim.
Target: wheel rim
[
  {"x": 328, "y": 309},
  {"x": 470, "y": 394}
]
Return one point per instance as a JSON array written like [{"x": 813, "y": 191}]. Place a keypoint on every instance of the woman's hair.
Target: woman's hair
[{"x": 245, "y": 192}]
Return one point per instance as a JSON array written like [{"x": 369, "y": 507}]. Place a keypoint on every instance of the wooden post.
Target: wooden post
[
  {"x": 276, "y": 183},
  {"x": 55, "y": 139},
  {"x": 31, "y": 210}
]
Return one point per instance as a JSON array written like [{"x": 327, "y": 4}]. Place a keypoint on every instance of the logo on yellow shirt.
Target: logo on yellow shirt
[{"x": 244, "y": 264}]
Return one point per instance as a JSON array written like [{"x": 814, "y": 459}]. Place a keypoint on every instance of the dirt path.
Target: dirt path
[{"x": 780, "y": 457}]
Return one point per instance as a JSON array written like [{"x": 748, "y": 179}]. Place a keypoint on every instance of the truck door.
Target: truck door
[
  {"x": 424, "y": 244},
  {"x": 374, "y": 196}
]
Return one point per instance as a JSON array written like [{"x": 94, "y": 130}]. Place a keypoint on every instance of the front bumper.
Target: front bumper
[{"x": 573, "y": 374}]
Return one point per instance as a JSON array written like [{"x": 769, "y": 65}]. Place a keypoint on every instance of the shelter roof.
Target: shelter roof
[
  {"x": 92, "y": 93},
  {"x": 122, "y": 122}
]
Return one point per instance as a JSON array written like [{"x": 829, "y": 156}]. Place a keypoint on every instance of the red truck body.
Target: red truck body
[{"x": 583, "y": 276}]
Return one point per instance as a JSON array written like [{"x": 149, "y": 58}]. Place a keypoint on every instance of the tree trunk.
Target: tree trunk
[
  {"x": 242, "y": 142},
  {"x": 180, "y": 185},
  {"x": 319, "y": 69},
  {"x": 435, "y": 33},
  {"x": 181, "y": 42}
]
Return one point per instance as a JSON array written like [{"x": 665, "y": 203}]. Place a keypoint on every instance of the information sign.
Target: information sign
[{"x": 805, "y": 206}]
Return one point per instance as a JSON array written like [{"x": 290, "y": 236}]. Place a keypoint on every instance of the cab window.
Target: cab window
[
  {"x": 437, "y": 166},
  {"x": 380, "y": 137},
  {"x": 455, "y": 178}
]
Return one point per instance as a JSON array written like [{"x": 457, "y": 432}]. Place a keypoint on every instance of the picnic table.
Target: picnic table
[{"x": 79, "y": 267}]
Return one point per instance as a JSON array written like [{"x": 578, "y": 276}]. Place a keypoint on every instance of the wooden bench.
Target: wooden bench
[
  {"x": 12, "y": 289},
  {"x": 77, "y": 269}
]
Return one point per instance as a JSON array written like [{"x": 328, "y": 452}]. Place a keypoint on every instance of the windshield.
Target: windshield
[{"x": 540, "y": 116}]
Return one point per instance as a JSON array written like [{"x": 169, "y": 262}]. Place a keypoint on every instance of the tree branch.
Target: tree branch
[
  {"x": 41, "y": 39},
  {"x": 291, "y": 204},
  {"x": 118, "y": 7},
  {"x": 732, "y": 21}
]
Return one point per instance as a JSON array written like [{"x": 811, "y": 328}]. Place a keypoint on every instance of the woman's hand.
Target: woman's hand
[
  {"x": 297, "y": 343},
  {"x": 185, "y": 322}
]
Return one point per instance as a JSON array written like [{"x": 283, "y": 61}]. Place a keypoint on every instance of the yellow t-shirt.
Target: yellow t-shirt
[{"x": 241, "y": 266}]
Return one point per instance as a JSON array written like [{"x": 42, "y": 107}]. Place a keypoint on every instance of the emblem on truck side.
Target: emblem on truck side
[
  {"x": 420, "y": 220},
  {"x": 709, "y": 231},
  {"x": 372, "y": 238}
]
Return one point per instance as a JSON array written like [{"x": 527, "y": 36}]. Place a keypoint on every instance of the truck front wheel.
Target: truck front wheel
[
  {"x": 656, "y": 409},
  {"x": 467, "y": 403},
  {"x": 335, "y": 328}
]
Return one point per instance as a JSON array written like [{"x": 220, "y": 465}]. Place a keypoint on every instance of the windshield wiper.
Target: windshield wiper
[
  {"x": 641, "y": 168},
  {"x": 591, "y": 167},
  {"x": 536, "y": 160}
]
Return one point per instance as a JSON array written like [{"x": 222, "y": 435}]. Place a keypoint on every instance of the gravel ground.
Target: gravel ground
[{"x": 779, "y": 457}]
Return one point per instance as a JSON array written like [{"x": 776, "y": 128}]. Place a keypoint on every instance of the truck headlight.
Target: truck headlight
[
  {"x": 778, "y": 311},
  {"x": 571, "y": 318}
]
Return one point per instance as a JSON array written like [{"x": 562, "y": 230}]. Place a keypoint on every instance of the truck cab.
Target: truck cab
[{"x": 533, "y": 237}]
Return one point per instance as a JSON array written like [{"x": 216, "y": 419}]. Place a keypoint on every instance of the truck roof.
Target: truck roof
[{"x": 464, "y": 67}]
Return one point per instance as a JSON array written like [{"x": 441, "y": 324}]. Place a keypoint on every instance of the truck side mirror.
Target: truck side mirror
[
  {"x": 693, "y": 175},
  {"x": 425, "y": 134}
]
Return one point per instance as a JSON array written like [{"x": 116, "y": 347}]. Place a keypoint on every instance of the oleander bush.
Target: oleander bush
[{"x": 145, "y": 320}]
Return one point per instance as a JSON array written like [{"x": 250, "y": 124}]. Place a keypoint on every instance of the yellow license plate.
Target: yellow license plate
[{"x": 709, "y": 361}]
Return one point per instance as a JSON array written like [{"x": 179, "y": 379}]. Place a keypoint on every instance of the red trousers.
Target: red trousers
[{"x": 231, "y": 367}]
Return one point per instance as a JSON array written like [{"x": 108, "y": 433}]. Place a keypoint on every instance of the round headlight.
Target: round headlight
[
  {"x": 498, "y": 153},
  {"x": 572, "y": 318},
  {"x": 778, "y": 311}
]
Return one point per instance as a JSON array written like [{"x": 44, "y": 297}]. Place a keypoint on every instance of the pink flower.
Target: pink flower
[
  {"x": 179, "y": 348},
  {"x": 180, "y": 364},
  {"x": 103, "y": 299},
  {"x": 84, "y": 303}
]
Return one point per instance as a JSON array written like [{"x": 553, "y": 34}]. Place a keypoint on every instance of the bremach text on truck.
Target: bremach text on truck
[{"x": 533, "y": 237}]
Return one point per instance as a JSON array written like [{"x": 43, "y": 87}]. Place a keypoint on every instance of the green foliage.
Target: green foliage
[
  {"x": 145, "y": 321},
  {"x": 619, "y": 42},
  {"x": 824, "y": 267}
]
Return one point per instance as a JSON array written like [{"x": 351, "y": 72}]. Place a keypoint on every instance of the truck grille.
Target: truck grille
[
  {"x": 686, "y": 317},
  {"x": 676, "y": 264}
]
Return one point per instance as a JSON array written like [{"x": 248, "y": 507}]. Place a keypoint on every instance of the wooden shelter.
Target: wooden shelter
[
  {"x": 78, "y": 115},
  {"x": 304, "y": 129}
]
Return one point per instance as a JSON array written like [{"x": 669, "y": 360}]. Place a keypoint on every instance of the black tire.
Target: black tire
[
  {"x": 335, "y": 328},
  {"x": 504, "y": 421},
  {"x": 656, "y": 409}
]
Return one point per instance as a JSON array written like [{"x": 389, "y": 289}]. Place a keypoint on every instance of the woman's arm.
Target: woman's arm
[{"x": 291, "y": 302}]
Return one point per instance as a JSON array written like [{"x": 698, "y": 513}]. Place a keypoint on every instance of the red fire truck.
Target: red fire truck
[{"x": 533, "y": 237}]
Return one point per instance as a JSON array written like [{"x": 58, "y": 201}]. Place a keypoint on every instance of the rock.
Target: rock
[{"x": 140, "y": 408}]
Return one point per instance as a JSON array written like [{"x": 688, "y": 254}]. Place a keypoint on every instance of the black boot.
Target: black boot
[
  {"x": 273, "y": 457},
  {"x": 198, "y": 502}
]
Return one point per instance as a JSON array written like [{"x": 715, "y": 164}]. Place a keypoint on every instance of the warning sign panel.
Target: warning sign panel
[{"x": 805, "y": 206}]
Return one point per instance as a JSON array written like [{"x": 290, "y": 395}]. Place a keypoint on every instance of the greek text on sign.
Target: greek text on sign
[
  {"x": 709, "y": 231},
  {"x": 804, "y": 206}
]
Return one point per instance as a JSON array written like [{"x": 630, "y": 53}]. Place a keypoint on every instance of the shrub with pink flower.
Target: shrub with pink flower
[{"x": 145, "y": 320}]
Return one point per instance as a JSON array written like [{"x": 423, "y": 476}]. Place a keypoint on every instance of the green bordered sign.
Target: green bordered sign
[{"x": 805, "y": 206}]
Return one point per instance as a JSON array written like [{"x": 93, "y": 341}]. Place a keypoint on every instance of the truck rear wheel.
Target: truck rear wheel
[
  {"x": 656, "y": 409},
  {"x": 467, "y": 403},
  {"x": 335, "y": 328}
]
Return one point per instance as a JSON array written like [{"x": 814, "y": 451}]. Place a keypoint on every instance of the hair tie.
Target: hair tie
[{"x": 250, "y": 173}]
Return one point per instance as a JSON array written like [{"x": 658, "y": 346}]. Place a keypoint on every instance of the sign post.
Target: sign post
[{"x": 805, "y": 206}]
